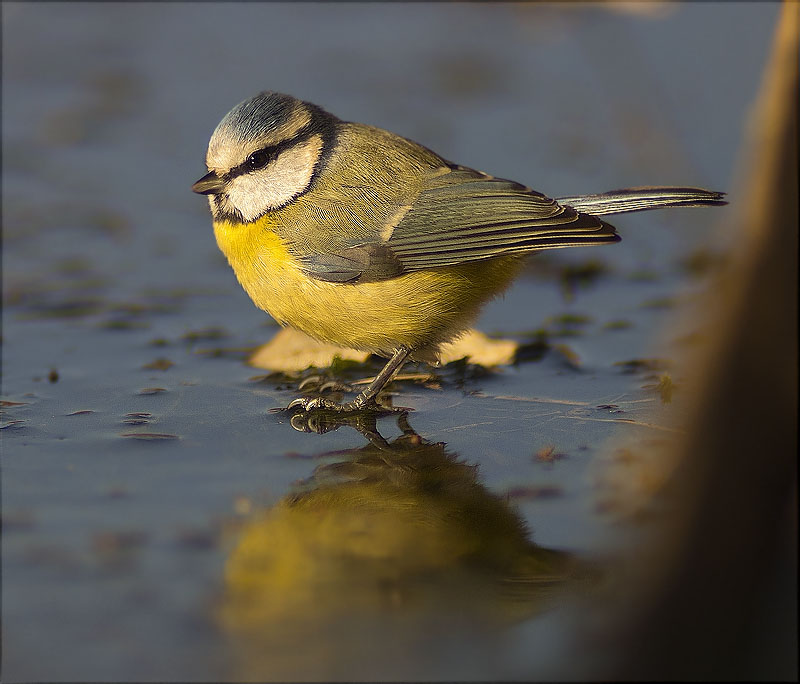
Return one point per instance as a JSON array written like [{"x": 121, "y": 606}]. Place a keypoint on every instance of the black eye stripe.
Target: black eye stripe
[{"x": 260, "y": 158}]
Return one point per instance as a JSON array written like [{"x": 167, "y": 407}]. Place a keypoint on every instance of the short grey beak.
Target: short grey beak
[{"x": 210, "y": 184}]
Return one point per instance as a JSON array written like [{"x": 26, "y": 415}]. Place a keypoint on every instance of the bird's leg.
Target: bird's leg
[
  {"x": 363, "y": 401},
  {"x": 391, "y": 368}
]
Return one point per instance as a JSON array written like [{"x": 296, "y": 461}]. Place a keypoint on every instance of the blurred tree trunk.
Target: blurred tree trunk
[{"x": 716, "y": 596}]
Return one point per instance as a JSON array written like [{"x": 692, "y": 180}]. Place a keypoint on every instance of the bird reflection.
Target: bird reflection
[
  {"x": 321, "y": 421},
  {"x": 394, "y": 548}
]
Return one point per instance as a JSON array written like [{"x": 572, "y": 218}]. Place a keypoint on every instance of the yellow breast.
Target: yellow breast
[{"x": 418, "y": 310}]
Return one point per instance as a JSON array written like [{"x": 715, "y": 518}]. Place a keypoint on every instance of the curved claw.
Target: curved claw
[
  {"x": 315, "y": 404},
  {"x": 309, "y": 404}
]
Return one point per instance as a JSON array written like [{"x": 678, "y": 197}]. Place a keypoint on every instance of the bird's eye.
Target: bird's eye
[{"x": 258, "y": 160}]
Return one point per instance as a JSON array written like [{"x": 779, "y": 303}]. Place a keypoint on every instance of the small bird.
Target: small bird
[{"x": 365, "y": 239}]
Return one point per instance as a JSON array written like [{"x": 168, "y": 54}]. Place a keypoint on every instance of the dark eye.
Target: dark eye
[{"x": 258, "y": 160}]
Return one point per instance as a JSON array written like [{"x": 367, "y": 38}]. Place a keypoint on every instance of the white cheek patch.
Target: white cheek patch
[{"x": 254, "y": 193}]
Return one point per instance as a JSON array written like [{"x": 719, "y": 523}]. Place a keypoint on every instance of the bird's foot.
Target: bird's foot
[
  {"x": 316, "y": 404},
  {"x": 358, "y": 405}
]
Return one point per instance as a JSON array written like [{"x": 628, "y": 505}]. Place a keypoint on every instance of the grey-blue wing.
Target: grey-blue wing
[{"x": 466, "y": 215}]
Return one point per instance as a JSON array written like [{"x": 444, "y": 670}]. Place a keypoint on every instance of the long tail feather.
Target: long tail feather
[{"x": 642, "y": 199}]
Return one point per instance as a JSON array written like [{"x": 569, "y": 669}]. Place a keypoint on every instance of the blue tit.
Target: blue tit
[{"x": 365, "y": 239}]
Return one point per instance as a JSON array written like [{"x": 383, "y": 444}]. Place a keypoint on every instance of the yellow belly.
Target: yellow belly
[{"x": 417, "y": 310}]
